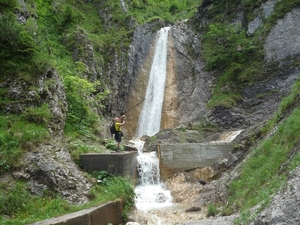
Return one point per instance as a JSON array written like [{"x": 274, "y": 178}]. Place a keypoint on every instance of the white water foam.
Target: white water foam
[{"x": 150, "y": 191}]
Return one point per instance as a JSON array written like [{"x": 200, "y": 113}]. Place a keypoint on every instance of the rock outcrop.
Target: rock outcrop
[{"x": 51, "y": 169}]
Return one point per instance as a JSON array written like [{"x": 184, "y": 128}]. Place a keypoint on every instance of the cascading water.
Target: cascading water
[
  {"x": 150, "y": 117},
  {"x": 150, "y": 191}
]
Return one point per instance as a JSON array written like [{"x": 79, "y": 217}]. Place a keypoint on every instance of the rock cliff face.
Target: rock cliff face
[
  {"x": 189, "y": 86},
  {"x": 49, "y": 90}
]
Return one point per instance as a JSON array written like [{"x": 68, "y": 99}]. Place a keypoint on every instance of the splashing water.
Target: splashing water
[{"x": 150, "y": 192}]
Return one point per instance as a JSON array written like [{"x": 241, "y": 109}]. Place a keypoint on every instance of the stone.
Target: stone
[{"x": 193, "y": 209}]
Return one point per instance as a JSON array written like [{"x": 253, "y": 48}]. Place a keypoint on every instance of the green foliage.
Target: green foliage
[
  {"x": 116, "y": 187},
  {"x": 16, "y": 137},
  {"x": 205, "y": 126},
  {"x": 228, "y": 50},
  {"x": 283, "y": 7},
  {"x": 264, "y": 168},
  {"x": 24, "y": 208},
  {"x": 212, "y": 210},
  {"x": 222, "y": 10},
  {"x": 38, "y": 115},
  {"x": 226, "y": 47},
  {"x": 245, "y": 218},
  {"x": 80, "y": 116},
  {"x": 103, "y": 177},
  {"x": 79, "y": 146},
  {"x": 15, "y": 200},
  {"x": 67, "y": 19},
  {"x": 111, "y": 144},
  {"x": 236, "y": 58},
  {"x": 170, "y": 11},
  {"x": 285, "y": 106},
  {"x": 295, "y": 162},
  {"x": 17, "y": 45},
  {"x": 227, "y": 100},
  {"x": 7, "y": 4}
]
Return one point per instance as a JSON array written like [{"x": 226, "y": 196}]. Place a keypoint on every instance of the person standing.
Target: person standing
[{"x": 119, "y": 122}]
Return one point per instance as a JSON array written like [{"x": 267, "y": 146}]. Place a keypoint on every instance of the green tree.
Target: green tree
[
  {"x": 81, "y": 95},
  {"x": 16, "y": 44},
  {"x": 225, "y": 46},
  {"x": 4, "y": 4}
]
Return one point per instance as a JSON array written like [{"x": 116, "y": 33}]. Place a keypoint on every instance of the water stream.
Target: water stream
[{"x": 150, "y": 191}]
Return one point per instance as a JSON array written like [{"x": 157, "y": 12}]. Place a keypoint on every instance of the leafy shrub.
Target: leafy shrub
[
  {"x": 16, "y": 44},
  {"x": 111, "y": 144},
  {"x": 38, "y": 115},
  {"x": 212, "y": 210},
  {"x": 7, "y": 4}
]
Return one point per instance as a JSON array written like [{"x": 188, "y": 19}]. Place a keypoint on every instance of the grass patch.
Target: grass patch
[
  {"x": 212, "y": 210},
  {"x": 18, "y": 136},
  {"x": 21, "y": 208},
  {"x": 260, "y": 176}
]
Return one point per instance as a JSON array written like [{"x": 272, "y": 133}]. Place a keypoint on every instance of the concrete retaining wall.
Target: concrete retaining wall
[
  {"x": 101, "y": 215},
  {"x": 122, "y": 164},
  {"x": 180, "y": 157}
]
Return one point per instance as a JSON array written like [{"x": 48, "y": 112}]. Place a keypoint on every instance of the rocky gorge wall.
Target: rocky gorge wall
[{"x": 189, "y": 86}]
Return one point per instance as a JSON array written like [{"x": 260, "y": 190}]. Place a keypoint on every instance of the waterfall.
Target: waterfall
[
  {"x": 150, "y": 192},
  {"x": 150, "y": 117}
]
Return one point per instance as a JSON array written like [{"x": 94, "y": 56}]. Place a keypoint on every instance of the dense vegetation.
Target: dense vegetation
[{"x": 28, "y": 50}]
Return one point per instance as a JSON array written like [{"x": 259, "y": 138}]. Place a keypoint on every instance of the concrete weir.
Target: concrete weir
[
  {"x": 122, "y": 164},
  {"x": 185, "y": 156}
]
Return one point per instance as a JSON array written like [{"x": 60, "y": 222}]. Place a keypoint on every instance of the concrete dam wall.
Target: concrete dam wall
[
  {"x": 183, "y": 156},
  {"x": 122, "y": 164},
  {"x": 109, "y": 213}
]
